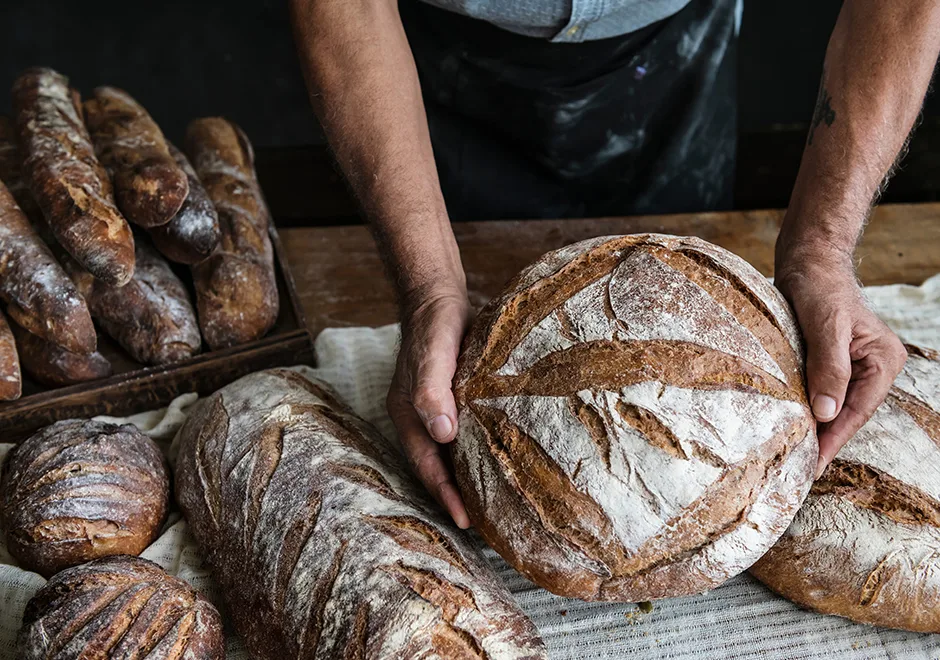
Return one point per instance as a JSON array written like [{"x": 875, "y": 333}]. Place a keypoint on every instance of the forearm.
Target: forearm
[
  {"x": 364, "y": 88},
  {"x": 878, "y": 66}
]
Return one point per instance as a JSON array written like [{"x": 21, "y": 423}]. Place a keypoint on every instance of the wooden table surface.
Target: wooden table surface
[{"x": 340, "y": 279}]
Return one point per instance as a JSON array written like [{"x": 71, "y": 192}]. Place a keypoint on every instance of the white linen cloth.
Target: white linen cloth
[{"x": 739, "y": 620}]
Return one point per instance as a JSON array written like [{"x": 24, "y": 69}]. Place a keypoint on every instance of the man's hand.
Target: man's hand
[
  {"x": 420, "y": 400},
  {"x": 364, "y": 88},
  {"x": 878, "y": 65},
  {"x": 852, "y": 357}
]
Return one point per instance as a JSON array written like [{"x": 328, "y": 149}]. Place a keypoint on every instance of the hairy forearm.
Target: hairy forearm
[
  {"x": 878, "y": 66},
  {"x": 364, "y": 88}
]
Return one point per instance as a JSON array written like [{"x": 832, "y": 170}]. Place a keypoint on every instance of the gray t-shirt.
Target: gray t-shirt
[{"x": 566, "y": 20}]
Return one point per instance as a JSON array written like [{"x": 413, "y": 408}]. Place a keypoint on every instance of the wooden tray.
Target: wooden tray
[{"x": 135, "y": 388}]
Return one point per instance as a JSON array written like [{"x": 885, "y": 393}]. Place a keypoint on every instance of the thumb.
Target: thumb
[
  {"x": 431, "y": 392},
  {"x": 828, "y": 371}
]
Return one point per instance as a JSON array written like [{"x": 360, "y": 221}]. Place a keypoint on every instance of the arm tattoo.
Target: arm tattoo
[{"x": 822, "y": 113}]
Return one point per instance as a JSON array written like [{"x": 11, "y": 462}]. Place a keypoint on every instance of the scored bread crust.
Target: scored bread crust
[
  {"x": 150, "y": 316},
  {"x": 79, "y": 490},
  {"x": 40, "y": 296},
  {"x": 193, "y": 233},
  {"x": 66, "y": 179},
  {"x": 11, "y": 170},
  {"x": 866, "y": 543},
  {"x": 236, "y": 291},
  {"x": 50, "y": 364},
  {"x": 595, "y": 451},
  {"x": 119, "y": 607},
  {"x": 322, "y": 544},
  {"x": 11, "y": 380},
  {"x": 149, "y": 185}
]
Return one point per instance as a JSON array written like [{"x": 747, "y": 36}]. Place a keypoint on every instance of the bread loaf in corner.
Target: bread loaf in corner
[
  {"x": 866, "y": 544},
  {"x": 119, "y": 607},
  {"x": 323, "y": 545}
]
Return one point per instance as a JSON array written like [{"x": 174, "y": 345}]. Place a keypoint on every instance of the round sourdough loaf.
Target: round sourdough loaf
[
  {"x": 79, "y": 490},
  {"x": 633, "y": 421},
  {"x": 866, "y": 544},
  {"x": 119, "y": 607}
]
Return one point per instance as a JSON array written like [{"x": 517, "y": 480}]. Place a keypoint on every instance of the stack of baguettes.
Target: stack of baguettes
[{"x": 74, "y": 178}]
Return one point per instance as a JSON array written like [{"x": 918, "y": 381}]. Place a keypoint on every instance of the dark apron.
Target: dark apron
[{"x": 526, "y": 128}]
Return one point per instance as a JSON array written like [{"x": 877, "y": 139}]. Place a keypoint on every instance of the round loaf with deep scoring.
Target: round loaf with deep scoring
[
  {"x": 119, "y": 607},
  {"x": 633, "y": 422},
  {"x": 866, "y": 543},
  {"x": 79, "y": 490}
]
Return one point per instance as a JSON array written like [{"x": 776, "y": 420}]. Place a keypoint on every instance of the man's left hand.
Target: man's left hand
[{"x": 852, "y": 357}]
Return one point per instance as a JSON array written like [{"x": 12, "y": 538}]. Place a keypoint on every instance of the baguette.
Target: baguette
[
  {"x": 322, "y": 544},
  {"x": 149, "y": 186},
  {"x": 150, "y": 316},
  {"x": 119, "y": 607},
  {"x": 11, "y": 170},
  {"x": 193, "y": 234},
  {"x": 54, "y": 366},
  {"x": 66, "y": 180},
  {"x": 236, "y": 291},
  {"x": 11, "y": 381},
  {"x": 39, "y": 294},
  {"x": 79, "y": 490}
]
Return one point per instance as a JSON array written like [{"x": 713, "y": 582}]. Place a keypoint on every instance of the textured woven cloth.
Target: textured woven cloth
[{"x": 741, "y": 619}]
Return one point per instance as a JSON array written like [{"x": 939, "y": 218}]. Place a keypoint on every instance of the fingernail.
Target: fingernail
[
  {"x": 824, "y": 407},
  {"x": 820, "y": 467},
  {"x": 441, "y": 427}
]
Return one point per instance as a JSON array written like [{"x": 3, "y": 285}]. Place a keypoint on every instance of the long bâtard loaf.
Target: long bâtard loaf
[
  {"x": 11, "y": 381},
  {"x": 51, "y": 365},
  {"x": 119, "y": 607},
  {"x": 150, "y": 316},
  {"x": 193, "y": 233},
  {"x": 866, "y": 543},
  {"x": 79, "y": 490},
  {"x": 39, "y": 294},
  {"x": 323, "y": 546},
  {"x": 149, "y": 186},
  {"x": 65, "y": 178},
  {"x": 236, "y": 291},
  {"x": 632, "y": 419}
]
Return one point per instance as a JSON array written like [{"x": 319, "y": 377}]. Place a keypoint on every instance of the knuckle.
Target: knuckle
[
  {"x": 900, "y": 354},
  {"x": 426, "y": 397},
  {"x": 422, "y": 463},
  {"x": 833, "y": 369}
]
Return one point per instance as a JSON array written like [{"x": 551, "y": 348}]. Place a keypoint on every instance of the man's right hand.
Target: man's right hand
[{"x": 421, "y": 400}]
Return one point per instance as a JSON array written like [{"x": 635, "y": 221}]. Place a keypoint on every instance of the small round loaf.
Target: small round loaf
[
  {"x": 119, "y": 607},
  {"x": 79, "y": 490},
  {"x": 633, "y": 422},
  {"x": 866, "y": 544}
]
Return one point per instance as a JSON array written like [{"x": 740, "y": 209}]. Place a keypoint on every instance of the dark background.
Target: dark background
[{"x": 236, "y": 58}]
